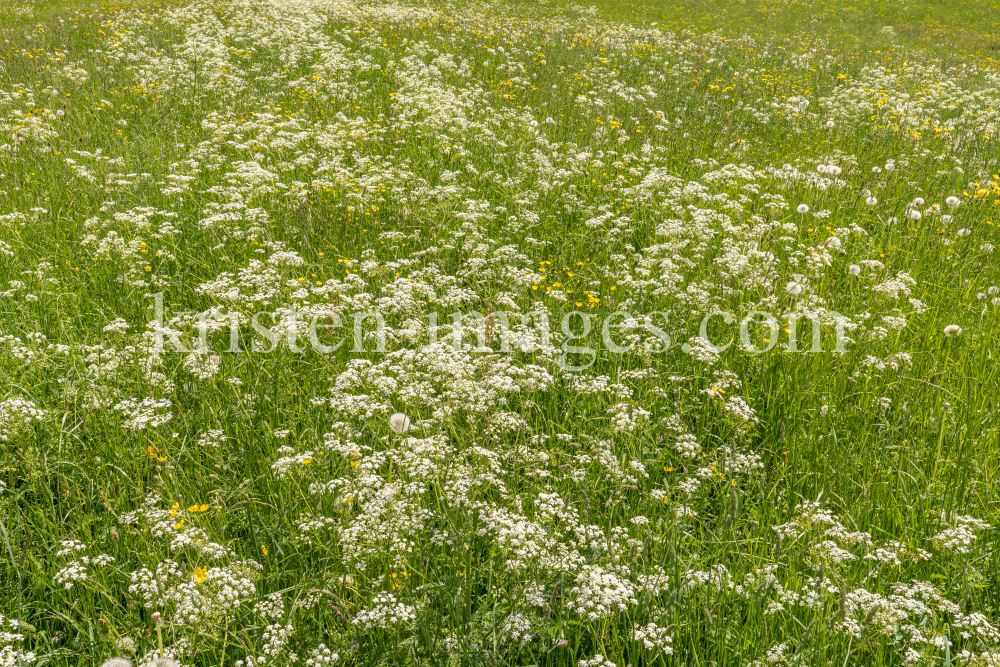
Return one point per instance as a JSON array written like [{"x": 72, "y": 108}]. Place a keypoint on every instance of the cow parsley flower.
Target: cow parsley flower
[
  {"x": 385, "y": 612},
  {"x": 653, "y": 637}
]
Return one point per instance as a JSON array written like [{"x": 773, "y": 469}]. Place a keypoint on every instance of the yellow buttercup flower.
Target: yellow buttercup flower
[{"x": 152, "y": 453}]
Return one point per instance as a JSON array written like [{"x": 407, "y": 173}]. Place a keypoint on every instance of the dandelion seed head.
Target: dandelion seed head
[
  {"x": 399, "y": 422},
  {"x": 165, "y": 662},
  {"x": 117, "y": 662}
]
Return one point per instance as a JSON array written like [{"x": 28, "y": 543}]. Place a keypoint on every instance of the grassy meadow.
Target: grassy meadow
[{"x": 502, "y": 334}]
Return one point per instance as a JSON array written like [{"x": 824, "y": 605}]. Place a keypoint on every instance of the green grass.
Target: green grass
[
  {"x": 444, "y": 197},
  {"x": 953, "y": 30},
  {"x": 25, "y": 21}
]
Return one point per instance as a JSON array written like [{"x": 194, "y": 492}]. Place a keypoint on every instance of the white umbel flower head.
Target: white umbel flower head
[
  {"x": 399, "y": 422},
  {"x": 802, "y": 208},
  {"x": 952, "y": 330}
]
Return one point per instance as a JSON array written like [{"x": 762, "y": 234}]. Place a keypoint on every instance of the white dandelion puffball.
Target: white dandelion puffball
[
  {"x": 946, "y": 219},
  {"x": 829, "y": 123},
  {"x": 919, "y": 201},
  {"x": 793, "y": 288},
  {"x": 854, "y": 270},
  {"x": 802, "y": 208},
  {"x": 117, "y": 662},
  {"x": 399, "y": 422},
  {"x": 964, "y": 232},
  {"x": 952, "y": 330},
  {"x": 914, "y": 215},
  {"x": 833, "y": 242},
  {"x": 952, "y": 201},
  {"x": 871, "y": 201}
]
